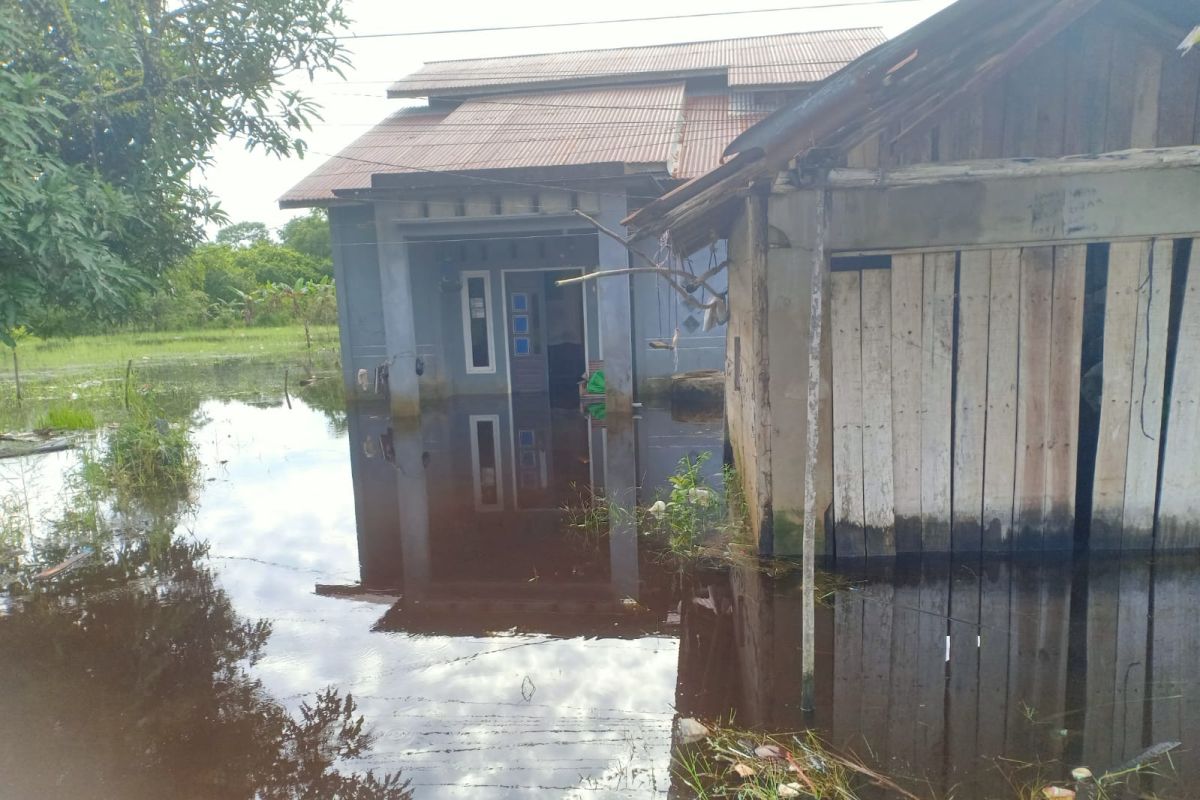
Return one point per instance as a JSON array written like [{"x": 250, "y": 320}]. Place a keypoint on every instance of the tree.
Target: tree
[
  {"x": 107, "y": 107},
  {"x": 309, "y": 234},
  {"x": 244, "y": 234}
]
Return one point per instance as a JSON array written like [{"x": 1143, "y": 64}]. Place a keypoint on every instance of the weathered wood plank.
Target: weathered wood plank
[
  {"x": 904, "y": 692},
  {"x": 846, "y": 320},
  {"x": 1174, "y": 706},
  {"x": 1103, "y": 601},
  {"x": 1147, "y": 77},
  {"x": 962, "y": 696},
  {"x": 907, "y": 288},
  {"x": 1146, "y": 397},
  {"x": 1062, "y": 429},
  {"x": 847, "y": 669},
  {"x": 937, "y": 367},
  {"x": 1179, "y": 502},
  {"x": 1112, "y": 444},
  {"x": 1050, "y": 119},
  {"x": 878, "y": 494},
  {"x": 877, "y": 633},
  {"x": 930, "y": 731},
  {"x": 993, "y": 657},
  {"x": 1130, "y": 668},
  {"x": 1001, "y": 425},
  {"x": 1033, "y": 385},
  {"x": 970, "y": 407}
]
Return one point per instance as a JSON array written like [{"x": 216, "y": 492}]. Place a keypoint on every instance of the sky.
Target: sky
[{"x": 248, "y": 184}]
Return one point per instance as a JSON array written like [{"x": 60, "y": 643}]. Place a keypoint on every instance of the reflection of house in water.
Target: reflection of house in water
[
  {"x": 461, "y": 515},
  {"x": 936, "y": 670}
]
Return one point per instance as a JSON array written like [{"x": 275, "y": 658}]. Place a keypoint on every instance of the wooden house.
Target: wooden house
[{"x": 991, "y": 219}]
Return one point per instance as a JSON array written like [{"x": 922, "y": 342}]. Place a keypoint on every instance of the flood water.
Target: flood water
[{"x": 427, "y": 572}]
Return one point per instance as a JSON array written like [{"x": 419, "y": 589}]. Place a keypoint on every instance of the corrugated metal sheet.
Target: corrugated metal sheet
[
  {"x": 632, "y": 125},
  {"x": 353, "y": 166},
  {"x": 756, "y": 61},
  {"x": 710, "y": 123}
]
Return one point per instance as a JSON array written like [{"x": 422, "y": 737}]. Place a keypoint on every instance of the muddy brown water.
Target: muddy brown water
[{"x": 427, "y": 572}]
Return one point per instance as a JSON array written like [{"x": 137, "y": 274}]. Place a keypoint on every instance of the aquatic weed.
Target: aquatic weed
[
  {"x": 149, "y": 455},
  {"x": 67, "y": 417}
]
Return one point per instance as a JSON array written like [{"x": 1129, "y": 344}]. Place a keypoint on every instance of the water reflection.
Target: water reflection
[
  {"x": 427, "y": 572},
  {"x": 966, "y": 678}
]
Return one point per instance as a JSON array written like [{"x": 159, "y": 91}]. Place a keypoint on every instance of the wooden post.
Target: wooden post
[
  {"x": 808, "y": 545},
  {"x": 17, "y": 374},
  {"x": 128, "y": 370}
]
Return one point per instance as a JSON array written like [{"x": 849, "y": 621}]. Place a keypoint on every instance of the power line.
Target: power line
[
  {"x": 575, "y": 72},
  {"x": 623, "y": 20}
]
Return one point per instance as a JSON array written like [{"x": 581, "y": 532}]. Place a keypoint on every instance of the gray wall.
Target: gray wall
[
  {"x": 658, "y": 309},
  {"x": 360, "y": 311}
]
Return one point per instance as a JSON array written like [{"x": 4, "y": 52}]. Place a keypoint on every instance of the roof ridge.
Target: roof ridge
[{"x": 878, "y": 28}]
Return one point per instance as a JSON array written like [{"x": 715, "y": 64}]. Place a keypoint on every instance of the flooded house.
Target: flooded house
[
  {"x": 964, "y": 292},
  {"x": 454, "y": 220}
]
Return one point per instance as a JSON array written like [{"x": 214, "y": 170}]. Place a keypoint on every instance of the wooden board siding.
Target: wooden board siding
[
  {"x": 1109, "y": 82},
  {"x": 970, "y": 406},
  {"x": 907, "y": 287},
  {"x": 1001, "y": 424},
  {"x": 878, "y": 493},
  {"x": 1179, "y": 503},
  {"x": 937, "y": 370},
  {"x": 846, "y": 310},
  {"x": 1033, "y": 384},
  {"x": 1062, "y": 420}
]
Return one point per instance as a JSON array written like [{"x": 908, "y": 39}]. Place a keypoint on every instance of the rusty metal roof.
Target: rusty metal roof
[
  {"x": 630, "y": 125},
  {"x": 786, "y": 58},
  {"x": 710, "y": 123}
]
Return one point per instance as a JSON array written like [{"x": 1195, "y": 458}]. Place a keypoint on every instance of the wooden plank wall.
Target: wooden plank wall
[
  {"x": 960, "y": 371},
  {"x": 1110, "y": 82},
  {"x": 943, "y": 672}
]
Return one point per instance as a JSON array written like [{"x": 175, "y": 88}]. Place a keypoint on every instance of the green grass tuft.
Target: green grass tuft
[{"x": 67, "y": 417}]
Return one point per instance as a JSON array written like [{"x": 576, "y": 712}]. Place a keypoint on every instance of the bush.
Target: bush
[{"x": 148, "y": 455}]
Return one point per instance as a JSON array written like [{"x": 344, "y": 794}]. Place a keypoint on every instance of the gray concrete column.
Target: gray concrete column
[
  {"x": 413, "y": 513},
  {"x": 616, "y": 320},
  {"x": 396, "y": 294},
  {"x": 620, "y": 482}
]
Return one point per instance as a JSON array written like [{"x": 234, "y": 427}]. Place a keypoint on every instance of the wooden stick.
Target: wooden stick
[
  {"x": 285, "y": 388},
  {"x": 128, "y": 369},
  {"x": 808, "y": 545},
  {"x": 17, "y": 374},
  {"x": 702, "y": 280}
]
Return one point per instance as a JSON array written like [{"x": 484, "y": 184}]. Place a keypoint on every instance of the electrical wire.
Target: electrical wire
[{"x": 617, "y": 21}]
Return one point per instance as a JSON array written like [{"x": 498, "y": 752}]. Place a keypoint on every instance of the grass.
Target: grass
[
  {"x": 729, "y": 762},
  {"x": 67, "y": 417},
  {"x": 146, "y": 455},
  {"x": 90, "y": 352},
  {"x": 177, "y": 368}
]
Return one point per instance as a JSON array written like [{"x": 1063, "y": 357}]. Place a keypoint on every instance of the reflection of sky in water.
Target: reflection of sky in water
[{"x": 450, "y": 712}]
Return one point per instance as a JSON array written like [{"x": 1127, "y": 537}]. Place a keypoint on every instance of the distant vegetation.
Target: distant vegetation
[{"x": 244, "y": 278}]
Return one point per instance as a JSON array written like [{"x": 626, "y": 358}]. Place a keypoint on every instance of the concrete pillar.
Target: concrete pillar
[
  {"x": 396, "y": 294},
  {"x": 616, "y": 321},
  {"x": 413, "y": 513},
  {"x": 620, "y": 482}
]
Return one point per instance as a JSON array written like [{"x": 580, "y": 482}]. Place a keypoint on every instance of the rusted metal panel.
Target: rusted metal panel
[{"x": 804, "y": 57}]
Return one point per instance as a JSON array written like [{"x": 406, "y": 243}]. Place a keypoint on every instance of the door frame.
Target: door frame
[{"x": 512, "y": 430}]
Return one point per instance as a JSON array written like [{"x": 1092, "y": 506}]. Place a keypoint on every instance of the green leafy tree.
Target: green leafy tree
[
  {"x": 272, "y": 263},
  {"x": 107, "y": 107},
  {"x": 309, "y": 234},
  {"x": 244, "y": 234}
]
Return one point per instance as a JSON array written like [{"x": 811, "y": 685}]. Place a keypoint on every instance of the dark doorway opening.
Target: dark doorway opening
[{"x": 546, "y": 334}]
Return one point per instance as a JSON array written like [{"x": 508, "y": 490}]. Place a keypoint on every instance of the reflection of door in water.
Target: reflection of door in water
[{"x": 545, "y": 332}]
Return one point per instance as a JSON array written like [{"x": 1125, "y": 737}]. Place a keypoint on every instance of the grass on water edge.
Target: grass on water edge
[
  {"x": 64, "y": 380},
  {"x": 83, "y": 352}
]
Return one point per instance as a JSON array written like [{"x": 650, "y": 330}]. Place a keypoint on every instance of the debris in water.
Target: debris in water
[
  {"x": 789, "y": 790},
  {"x": 69, "y": 564},
  {"x": 691, "y": 730},
  {"x": 770, "y": 751},
  {"x": 1057, "y": 792},
  {"x": 743, "y": 770},
  {"x": 1148, "y": 755}
]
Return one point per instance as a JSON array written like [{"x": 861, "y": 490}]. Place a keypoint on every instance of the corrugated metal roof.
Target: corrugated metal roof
[
  {"x": 710, "y": 123},
  {"x": 803, "y": 57},
  {"x": 631, "y": 125},
  {"x": 353, "y": 166}
]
